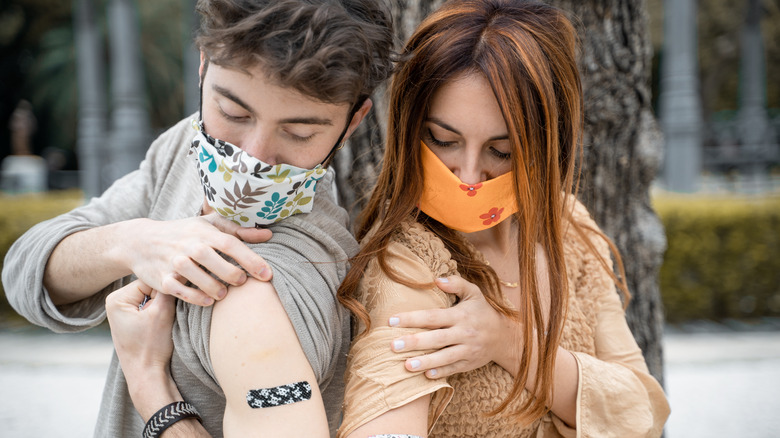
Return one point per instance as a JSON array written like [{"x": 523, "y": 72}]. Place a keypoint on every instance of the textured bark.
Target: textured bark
[{"x": 622, "y": 147}]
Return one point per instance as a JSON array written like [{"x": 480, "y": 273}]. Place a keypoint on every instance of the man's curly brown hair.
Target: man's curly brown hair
[{"x": 336, "y": 51}]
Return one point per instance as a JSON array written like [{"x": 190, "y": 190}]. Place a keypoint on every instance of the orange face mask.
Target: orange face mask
[{"x": 464, "y": 207}]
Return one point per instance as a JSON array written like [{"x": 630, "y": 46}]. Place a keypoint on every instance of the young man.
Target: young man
[{"x": 284, "y": 82}]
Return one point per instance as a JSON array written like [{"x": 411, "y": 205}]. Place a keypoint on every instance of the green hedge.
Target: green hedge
[
  {"x": 723, "y": 257},
  {"x": 722, "y": 261},
  {"x": 20, "y": 212}
]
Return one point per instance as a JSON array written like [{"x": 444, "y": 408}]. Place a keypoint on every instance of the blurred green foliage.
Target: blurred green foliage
[
  {"x": 723, "y": 257},
  {"x": 38, "y": 63},
  {"x": 19, "y": 213}
]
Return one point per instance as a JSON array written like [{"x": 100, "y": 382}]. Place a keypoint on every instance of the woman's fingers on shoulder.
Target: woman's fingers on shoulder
[
  {"x": 437, "y": 365},
  {"x": 458, "y": 286},
  {"x": 427, "y": 318},
  {"x": 427, "y": 340}
]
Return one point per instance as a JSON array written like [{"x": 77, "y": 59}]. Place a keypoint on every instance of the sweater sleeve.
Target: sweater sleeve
[
  {"x": 376, "y": 380},
  {"x": 616, "y": 395},
  {"x": 128, "y": 198}
]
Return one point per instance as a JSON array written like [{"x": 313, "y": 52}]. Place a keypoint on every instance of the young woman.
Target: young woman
[{"x": 477, "y": 198}]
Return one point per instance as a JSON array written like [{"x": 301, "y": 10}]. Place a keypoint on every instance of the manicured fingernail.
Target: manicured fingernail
[
  {"x": 242, "y": 279},
  {"x": 221, "y": 294},
  {"x": 443, "y": 280},
  {"x": 208, "y": 301},
  {"x": 264, "y": 273},
  {"x": 415, "y": 364},
  {"x": 398, "y": 345},
  {"x": 432, "y": 372},
  {"x": 393, "y": 321}
]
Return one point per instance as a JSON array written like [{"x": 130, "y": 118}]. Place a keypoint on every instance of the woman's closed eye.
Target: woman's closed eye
[
  {"x": 500, "y": 155},
  {"x": 438, "y": 142}
]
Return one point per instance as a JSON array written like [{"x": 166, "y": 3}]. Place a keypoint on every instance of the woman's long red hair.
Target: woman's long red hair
[{"x": 527, "y": 52}]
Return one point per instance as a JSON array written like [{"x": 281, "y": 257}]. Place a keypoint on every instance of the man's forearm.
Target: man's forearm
[
  {"x": 85, "y": 262},
  {"x": 154, "y": 389}
]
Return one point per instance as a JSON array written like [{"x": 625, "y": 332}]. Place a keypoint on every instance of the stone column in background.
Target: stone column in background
[
  {"x": 91, "y": 143},
  {"x": 129, "y": 137},
  {"x": 680, "y": 103},
  {"x": 190, "y": 58},
  {"x": 752, "y": 116}
]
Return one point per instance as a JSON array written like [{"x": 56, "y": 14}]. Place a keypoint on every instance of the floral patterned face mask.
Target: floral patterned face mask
[
  {"x": 464, "y": 207},
  {"x": 247, "y": 191}
]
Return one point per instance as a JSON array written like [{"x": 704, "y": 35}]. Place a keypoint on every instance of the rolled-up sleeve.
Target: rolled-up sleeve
[
  {"x": 617, "y": 396},
  {"x": 376, "y": 380}
]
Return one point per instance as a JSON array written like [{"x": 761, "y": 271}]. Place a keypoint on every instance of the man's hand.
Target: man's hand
[
  {"x": 466, "y": 336},
  {"x": 167, "y": 254},
  {"x": 144, "y": 346},
  {"x": 142, "y": 336}
]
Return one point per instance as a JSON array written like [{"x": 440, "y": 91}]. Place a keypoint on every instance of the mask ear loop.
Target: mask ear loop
[{"x": 339, "y": 144}]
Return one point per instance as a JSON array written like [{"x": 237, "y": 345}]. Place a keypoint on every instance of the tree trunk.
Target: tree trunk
[{"x": 622, "y": 147}]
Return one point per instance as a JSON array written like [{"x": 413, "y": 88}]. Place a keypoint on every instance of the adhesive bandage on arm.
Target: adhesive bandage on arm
[{"x": 279, "y": 395}]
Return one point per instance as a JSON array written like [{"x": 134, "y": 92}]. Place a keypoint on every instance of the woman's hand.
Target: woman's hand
[{"x": 467, "y": 335}]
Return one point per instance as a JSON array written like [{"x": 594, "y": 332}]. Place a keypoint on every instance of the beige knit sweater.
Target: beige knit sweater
[{"x": 616, "y": 396}]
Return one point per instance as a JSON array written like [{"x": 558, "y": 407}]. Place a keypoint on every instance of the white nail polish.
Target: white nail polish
[
  {"x": 415, "y": 364},
  {"x": 393, "y": 321},
  {"x": 433, "y": 372},
  {"x": 398, "y": 345}
]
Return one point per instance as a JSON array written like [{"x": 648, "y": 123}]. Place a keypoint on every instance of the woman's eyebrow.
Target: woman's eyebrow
[{"x": 444, "y": 125}]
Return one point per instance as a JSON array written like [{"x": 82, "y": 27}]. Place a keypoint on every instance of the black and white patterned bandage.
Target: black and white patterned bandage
[{"x": 278, "y": 396}]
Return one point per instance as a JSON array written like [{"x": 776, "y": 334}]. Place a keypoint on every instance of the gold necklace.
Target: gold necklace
[{"x": 505, "y": 283}]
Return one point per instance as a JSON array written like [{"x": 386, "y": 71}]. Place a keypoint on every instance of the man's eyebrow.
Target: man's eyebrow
[
  {"x": 293, "y": 120},
  {"x": 307, "y": 121},
  {"x": 229, "y": 94},
  {"x": 444, "y": 125}
]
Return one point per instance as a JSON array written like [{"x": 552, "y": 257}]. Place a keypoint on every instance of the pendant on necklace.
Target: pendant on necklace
[{"x": 505, "y": 283}]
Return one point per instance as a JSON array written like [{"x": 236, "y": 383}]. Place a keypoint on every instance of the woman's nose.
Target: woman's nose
[{"x": 469, "y": 171}]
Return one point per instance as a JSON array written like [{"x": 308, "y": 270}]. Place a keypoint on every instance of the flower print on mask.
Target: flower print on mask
[
  {"x": 247, "y": 191},
  {"x": 494, "y": 215},
  {"x": 471, "y": 189}
]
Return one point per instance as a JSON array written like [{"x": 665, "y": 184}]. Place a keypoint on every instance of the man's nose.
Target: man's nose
[{"x": 259, "y": 145}]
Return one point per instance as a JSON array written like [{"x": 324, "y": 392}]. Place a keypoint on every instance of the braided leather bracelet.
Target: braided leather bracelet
[{"x": 165, "y": 417}]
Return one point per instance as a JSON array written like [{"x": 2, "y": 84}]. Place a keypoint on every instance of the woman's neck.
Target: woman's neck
[{"x": 500, "y": 238}]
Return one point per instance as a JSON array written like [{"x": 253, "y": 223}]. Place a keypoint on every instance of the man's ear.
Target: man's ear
[
  {"x": 203, "y": 66},
  {"x": 358, "y": 117}
]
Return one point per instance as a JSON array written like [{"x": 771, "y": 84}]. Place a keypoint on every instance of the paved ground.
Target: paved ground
[{"x": 724, "y": 384}]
